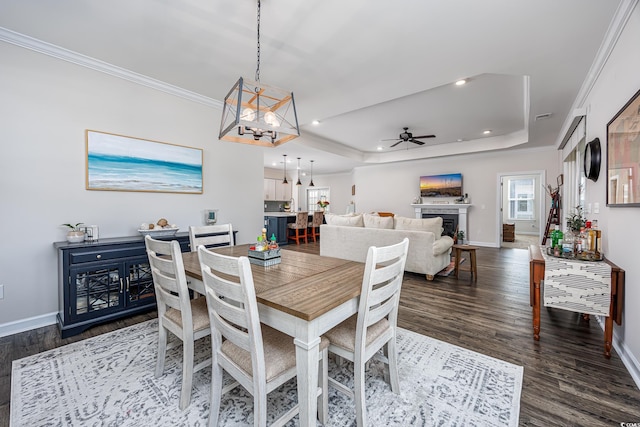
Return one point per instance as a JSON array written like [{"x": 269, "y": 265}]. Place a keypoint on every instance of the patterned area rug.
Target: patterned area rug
[
  {"x": 108, "y": 380},
  {"x": 450, "y": 268}
]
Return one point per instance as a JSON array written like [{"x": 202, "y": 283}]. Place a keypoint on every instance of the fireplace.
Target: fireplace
[
  {"x": 454, "y": 215},
  {"x": 449, "y": 222}
]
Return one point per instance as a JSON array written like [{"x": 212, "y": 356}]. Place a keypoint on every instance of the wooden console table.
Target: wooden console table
[{"x": 536, "y": 277}]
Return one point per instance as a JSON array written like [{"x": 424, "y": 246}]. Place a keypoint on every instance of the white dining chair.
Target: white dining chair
[
  {"x": 257, "y": 356},
  {"x": 187, "y": 319},
  {"x": 210, "y": 235},
  {"x": 360, "y": 337}
]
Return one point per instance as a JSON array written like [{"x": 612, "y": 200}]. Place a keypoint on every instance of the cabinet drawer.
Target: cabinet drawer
[{"x": 106, "y": 254}]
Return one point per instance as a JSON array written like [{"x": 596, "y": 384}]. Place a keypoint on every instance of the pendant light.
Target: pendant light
[
  {"x": 284, "y": 181},
  {"x": 311, "y": 183},
  {"x": 258, "y": 111},
  {"x": 299, "y": 182}
]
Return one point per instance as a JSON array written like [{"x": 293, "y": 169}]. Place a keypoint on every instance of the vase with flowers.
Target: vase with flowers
[
  {"x": 576, "y": 222},
  {"x": 323, "y": 203}
]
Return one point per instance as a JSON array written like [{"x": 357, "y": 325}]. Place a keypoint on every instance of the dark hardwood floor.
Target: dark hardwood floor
[{"x": 567, "y": 380}]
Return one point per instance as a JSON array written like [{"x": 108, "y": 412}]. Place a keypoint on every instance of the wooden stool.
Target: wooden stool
[{"x": 473, "y": 268}]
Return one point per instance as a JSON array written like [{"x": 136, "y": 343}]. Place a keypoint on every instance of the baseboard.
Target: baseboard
[
  {"x": 27, "y": 324},
  {"x": 628, "y": 359}
]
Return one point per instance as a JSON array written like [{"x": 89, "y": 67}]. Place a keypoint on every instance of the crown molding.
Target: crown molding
[
  {"x": 619, "y": 21},
  {"x": 58, "y": 52}
]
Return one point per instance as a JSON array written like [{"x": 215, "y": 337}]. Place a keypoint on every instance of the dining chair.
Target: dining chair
[
  {"x": 314, "y": 225},
  {"x": 359, "y": 338},
  {"x": 299, "y": 227},
  {"x": 187, "y": 319},
  {"x": 210, "y": 235},
  {"x": 257, "y": 356}
]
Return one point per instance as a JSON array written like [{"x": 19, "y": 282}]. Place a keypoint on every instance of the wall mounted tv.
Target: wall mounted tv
[{"x": 446, "y": 185}]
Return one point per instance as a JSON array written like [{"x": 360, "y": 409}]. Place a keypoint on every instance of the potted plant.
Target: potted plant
[
  {"x": 75, "y": 234},
  {"x": 576, "y": 220},
  {"x": 460, "y": 237}
]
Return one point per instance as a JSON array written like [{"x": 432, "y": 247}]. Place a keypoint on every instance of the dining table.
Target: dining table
[{"x": 303, "y": 296}]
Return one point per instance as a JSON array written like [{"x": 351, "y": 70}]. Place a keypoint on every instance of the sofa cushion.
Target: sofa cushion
[
  {"x": 433, "y": 225},
  {"x": 376, "y": 221},
  {"x": 344, "y": 220}
]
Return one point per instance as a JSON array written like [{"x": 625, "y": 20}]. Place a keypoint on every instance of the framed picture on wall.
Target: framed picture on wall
[
  {"x": 623, "y": 155},
  {"x": 124, "y": 163}
]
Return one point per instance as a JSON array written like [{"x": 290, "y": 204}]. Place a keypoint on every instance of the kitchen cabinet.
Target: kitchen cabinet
[
  {"x": 270, "y": 189},
  {"x": 104, "y": 280},
  {"x": 274, "y": 189},
  {"x": 277, "y": 225}
]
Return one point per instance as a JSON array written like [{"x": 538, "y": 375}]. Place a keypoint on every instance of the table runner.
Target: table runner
[{"x": 580, "y": 286}]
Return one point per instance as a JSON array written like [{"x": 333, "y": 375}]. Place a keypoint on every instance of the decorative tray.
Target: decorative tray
[
  {"x": 271, "y": 253},
  {"x": 160, "y": 232},
  {"x": 582, "y": 256}
]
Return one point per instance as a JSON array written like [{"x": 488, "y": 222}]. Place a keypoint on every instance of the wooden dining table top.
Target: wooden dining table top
[{"x": 303, "y": 285}]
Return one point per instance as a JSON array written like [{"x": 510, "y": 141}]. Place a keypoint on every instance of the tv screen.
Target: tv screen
[{"x": 446, "y": 185}]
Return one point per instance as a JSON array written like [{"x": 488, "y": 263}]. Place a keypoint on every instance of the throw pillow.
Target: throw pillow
[
  {"x": 344, "y": 220},
  {"x": 433, "y": 225},
  {"x": 376, "y": 221}
]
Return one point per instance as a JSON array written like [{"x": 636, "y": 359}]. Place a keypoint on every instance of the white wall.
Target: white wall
[
  {"x": 45, "y": 107},
  {"x": 393, "y": 187},
  {"x": 618, "y": 81}
]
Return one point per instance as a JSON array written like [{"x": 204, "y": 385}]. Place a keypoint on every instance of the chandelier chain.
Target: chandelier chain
[{"x": 258, "y": 47}]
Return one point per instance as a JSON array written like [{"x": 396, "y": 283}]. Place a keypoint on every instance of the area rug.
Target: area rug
[
  {"x": 449, "y": 268},
  {"x": 108, "y": 381}
]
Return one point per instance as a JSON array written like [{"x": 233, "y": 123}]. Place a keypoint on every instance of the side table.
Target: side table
[
  {"x": 536, "y": 282},
  {"x": 473, "y": 268}
]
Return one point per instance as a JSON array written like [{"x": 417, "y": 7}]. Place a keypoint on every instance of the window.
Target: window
[
  {"x": 315, "y": 194},
  {"x": 521, "y": 198}
]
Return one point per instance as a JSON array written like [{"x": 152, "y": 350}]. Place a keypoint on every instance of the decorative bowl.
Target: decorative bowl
[{"x": 160, "y": 232}]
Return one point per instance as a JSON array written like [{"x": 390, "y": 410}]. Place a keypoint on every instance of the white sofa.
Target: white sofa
[{"x": 350, "y": 236}]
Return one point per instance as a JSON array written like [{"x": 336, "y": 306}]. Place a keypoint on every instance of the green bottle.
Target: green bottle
[{"x": 554, "y": 236}]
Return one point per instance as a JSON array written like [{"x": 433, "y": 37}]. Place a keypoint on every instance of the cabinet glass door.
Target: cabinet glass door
[
  {"x": 139, "y": 282},
  {"x": 95, "y": 290}
]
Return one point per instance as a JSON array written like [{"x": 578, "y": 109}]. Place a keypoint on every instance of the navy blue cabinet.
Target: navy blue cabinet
[
  {"x": 278, "y": 225},
  {"x": 104, "y": 280}
]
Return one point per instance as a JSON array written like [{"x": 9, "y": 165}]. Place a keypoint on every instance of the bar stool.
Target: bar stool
[
  {"x": 299, "y": 227},
  {"x": 473, "y": 268}
]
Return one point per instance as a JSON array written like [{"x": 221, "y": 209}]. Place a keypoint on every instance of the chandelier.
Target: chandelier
[{"x": 258, "y": 114}]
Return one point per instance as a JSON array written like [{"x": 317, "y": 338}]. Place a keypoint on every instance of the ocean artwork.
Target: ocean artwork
[{"x": 121, "y": 163}]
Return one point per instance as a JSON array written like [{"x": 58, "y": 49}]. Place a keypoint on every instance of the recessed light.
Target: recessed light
[
  {"x": 379, "y": 148},
  {"x": 315, "y": 122},
  {"x": 460, "y": 82},
  {"x": 274, "y": 164},
  {"x": 460, "y": 139},
  {"x": 487, "y": 132}
]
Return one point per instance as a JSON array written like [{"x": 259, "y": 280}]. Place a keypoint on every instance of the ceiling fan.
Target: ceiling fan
[{"x": 408, "y": 136}]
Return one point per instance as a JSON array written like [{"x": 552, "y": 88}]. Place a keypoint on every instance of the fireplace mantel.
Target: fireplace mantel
[{"x": 446, "y": 208}]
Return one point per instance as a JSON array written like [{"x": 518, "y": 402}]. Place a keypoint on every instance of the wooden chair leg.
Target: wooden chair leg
[
  {"x": 187, "y": 373},
  {"x": 323, "y": 382},
  {"x": 216, "y": 394},
  {"x": 162, "y": 350},
  {"x": 359, "y": 393}
]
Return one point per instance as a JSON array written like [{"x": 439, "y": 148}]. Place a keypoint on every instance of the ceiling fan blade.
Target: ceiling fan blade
[
  {"x": 391, "y": 139},
  {"x": 425, "y": 136},
  {"x": 396, "y": 144},
  {"x": 415, "y": 141}
]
